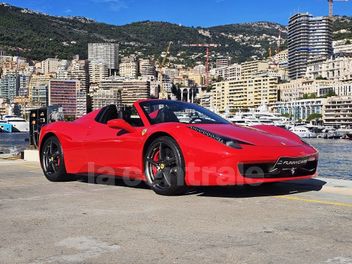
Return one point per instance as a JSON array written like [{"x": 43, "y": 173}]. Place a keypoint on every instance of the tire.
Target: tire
[
  {"x": 52, "y": 161},
  {"x": 165, "y": 167}
]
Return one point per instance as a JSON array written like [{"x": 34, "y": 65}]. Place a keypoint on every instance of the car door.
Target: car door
[{"x": 114, "y": 151}]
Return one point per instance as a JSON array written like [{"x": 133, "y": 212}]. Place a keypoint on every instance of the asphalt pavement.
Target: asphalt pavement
[{"x": 80, "y": 222}]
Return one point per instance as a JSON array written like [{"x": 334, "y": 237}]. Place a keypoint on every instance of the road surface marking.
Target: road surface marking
[{"x": 295, "y": 198}]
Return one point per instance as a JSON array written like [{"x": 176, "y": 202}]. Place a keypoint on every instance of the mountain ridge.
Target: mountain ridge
[{"x": 37, "y": 36}]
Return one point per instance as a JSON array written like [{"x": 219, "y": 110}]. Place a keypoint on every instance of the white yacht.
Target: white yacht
[
  {"x": 345, "y": 132},
  {"x": 302, "y": 132},
  {"x": 267, "y": 117},
  {"x": 259, "y": 117},
  {"x": 19, "y": 124},
  {"x": 245, "y": 119}
]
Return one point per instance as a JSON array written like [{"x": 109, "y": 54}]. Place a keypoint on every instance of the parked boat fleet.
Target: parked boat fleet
[
  {"x": 11, "y": 124},
  {"x": 303, "y": 130}
]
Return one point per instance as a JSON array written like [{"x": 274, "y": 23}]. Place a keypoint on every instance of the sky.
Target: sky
[{"x": 184, "y": 12}]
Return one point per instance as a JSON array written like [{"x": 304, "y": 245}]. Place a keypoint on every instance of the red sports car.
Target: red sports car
[{"x": 172, "y": 145}]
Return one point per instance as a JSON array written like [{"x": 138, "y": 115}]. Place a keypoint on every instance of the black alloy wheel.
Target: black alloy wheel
[
  {"x": 164, "y": 167},
  {"x": 52, "y": 160}
]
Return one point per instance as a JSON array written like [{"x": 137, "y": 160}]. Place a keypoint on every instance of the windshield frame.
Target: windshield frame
[{"x": 198, "y": 108}]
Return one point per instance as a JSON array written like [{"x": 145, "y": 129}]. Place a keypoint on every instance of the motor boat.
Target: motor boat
[
  {"x": 5, "y": 127},
  {"x": 345, "y": 132},
  {"x": 18, "y": 124},
  {"x": 302, "y": 132}
]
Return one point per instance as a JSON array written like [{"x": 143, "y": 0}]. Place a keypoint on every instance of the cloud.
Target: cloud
[
  {"x": 114, "y": 5},
  {"x": 68, "y": 11}
]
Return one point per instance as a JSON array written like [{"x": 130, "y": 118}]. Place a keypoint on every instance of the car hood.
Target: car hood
[{"x": 249, "y": 135}]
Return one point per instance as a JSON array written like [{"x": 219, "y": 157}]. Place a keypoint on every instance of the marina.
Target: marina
[{"x": 312, "y": 129}]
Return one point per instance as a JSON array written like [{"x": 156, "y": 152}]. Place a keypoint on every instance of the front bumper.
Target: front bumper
[
  {"x": 252, "y": 167},
  {"x": 293, "y": 167}
]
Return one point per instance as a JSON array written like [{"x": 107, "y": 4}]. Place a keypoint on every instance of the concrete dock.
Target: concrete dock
[{"x": 78, "y": 222}]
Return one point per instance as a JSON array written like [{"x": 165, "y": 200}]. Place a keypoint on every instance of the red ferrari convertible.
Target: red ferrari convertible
[{"x": 172, "y": 145}]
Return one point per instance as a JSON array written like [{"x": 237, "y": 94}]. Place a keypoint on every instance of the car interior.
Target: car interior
[
  {"x": 165, "y": 115},
  {"x": 110, "y": 112}
]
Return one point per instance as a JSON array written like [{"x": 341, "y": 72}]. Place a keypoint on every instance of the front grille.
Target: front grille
[{"x": 267, "y": 170}]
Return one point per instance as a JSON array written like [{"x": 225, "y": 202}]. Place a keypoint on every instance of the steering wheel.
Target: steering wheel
[{"x": 192, "y": 121}]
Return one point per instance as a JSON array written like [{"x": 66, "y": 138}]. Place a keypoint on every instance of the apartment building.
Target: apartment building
[
  {"x": 78, "y": 70},
  {"x": 298, "y": 89},
  {"x": 220, "y": 97},
  {"x": 262, "y": 90},
  {"x": 332, "y": 69},
  {"x": 38, "y": 89},
  {"x": 222, "y": 62},
  {"x": 342, "y": 46},
  {"x": 133, "y": 90},
  {"x": 281, "y": 57},
  {"x": 300, "y": 109},
  {"x": 252, "y": 68},
  {"x": 39, "y": 95},
  {"x": 106, "y": 53},
  {"x": 338, "y": 111},
  {"x": 9, "y": 86},
  {"x": 49, "y": 65},
  {"x": 128, "y": 68},
  {"x": 244, "y": 94},
  {"x": 97, "y": 72},
  {"x": 146, "y": 68},
  {"x": 104, "y": 97},
  {"x": 227, "y": 73},
  {"x": 65, "y": 94},
  {"x": 23, "y": 85}
]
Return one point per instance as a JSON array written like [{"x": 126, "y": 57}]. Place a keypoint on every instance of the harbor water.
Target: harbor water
[
  {"x": 335, "y": 155},
  {"x": 13, "y": 143}
]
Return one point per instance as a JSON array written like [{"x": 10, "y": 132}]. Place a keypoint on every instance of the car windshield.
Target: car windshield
[{"x": 175, "y": 111}]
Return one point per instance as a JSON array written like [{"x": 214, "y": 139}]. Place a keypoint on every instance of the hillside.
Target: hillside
[
  {"x": 342, "y": 27},
  {"x": 38, "y": 36}
]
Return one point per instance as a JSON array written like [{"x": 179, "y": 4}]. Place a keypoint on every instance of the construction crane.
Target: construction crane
[
  {"x": 163, "y": 93},
  {"x": 207, "y": 46},
  {"x": 331, "y": 6}
]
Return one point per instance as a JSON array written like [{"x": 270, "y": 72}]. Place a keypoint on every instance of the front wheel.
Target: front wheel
[
  {"x": 164, "y": 167},
  {"x": 52, "y": 160}
]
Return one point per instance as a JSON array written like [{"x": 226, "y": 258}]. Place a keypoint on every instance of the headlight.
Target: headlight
[{"x": 232, "y": 143}]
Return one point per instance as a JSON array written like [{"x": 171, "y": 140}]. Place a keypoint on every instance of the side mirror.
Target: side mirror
[{"x": 121, "y": 124}]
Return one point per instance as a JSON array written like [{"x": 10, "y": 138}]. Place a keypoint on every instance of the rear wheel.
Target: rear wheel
[
  {"x": 164, "y": 167},
  {"x": 52, "y": 160}
]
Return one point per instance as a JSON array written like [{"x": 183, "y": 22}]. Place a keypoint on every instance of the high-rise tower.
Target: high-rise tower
[{"x": 309, "y": 38}]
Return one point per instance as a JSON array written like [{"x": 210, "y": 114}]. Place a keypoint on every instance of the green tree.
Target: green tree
[
  {"x": 287, "y": 115},
  {"x": 310, "y": 96},
  {"x": 314, "y": 116},
  {"x": 330, "y": 93},
  {"x": 321, "y": 78}
]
